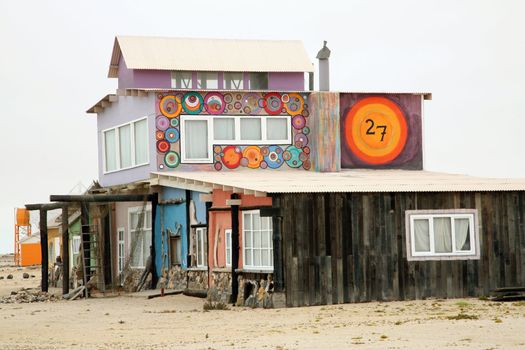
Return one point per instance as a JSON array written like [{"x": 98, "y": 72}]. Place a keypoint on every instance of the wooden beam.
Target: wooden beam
[
  {"x": 65, "y": 250},
  {"x": 113, "y": 98},
  {"x": 142, "y": 93},
  {"x": 105, "y": 104},
  {"x": 235, "y": 247},
  {"x": 44, "y": 206},
  {"x": 44, "y": 250},
  {"x": 98, "y": 198}
]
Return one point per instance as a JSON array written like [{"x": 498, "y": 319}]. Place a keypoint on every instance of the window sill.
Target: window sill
[
  {"x": 200, "y": 268},
  {"x": 222, "y": 269},
  {"x": 128, "y": 168},
  {"x": 254, "y": 270},
  {"x": 442, "y": 257}
]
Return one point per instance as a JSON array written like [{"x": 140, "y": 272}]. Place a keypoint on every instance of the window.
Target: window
[
  {"x": 126, "y": 146},
  {"x": 233, "y": 81},
  {"x": 202, "y": 257},
  {"x": 181, "y": 80},
  {"x": 120, "y": 253},
  {"x": 228, "y": 246},
  {"x": 140, "y": 235},
  {"x": 257, "y": 241},
  {"x": 200, "y": 133},
  {"x": 207, "y": 80},
  {"x": 75, "y": 249},
  {"x": 175, "y": 250},
  {"x": 259, "y": 81},
  {"x": 442, "y": 234}
]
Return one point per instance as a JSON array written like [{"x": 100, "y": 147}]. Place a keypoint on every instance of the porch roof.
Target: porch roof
[{"x": 260, "y": 183}]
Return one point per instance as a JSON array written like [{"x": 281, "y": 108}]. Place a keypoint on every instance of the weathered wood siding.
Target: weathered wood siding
[{"x": 350, "y": 247}]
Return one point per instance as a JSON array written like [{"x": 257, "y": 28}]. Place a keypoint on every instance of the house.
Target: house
[{"x": 270, "y": 193}]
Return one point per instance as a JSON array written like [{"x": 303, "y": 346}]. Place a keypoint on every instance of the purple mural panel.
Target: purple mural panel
[
  {"x": 381, "y": 131},
  {"x": 292, "y": 81}
]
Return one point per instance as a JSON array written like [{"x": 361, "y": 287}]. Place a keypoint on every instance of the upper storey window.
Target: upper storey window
[
  {"x": 181, "y": 80},
  {"x": 126, "y": 146},
  {"x": 207, "y": 80},
  {"x": 258, "y": 81},
  {"x": 233, "y": 81}
]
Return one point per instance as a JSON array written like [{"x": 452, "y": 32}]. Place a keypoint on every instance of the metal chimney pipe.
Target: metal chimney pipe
[{"x": 324, "y": 68}]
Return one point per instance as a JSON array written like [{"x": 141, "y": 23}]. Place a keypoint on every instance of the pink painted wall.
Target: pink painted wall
[
  {"x": 292, "y": 81},
  {"x": 221, "y": 220}
]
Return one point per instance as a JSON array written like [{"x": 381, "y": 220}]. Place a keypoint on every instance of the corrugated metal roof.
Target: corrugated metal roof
[
  {"x": 191, "y": 54},
  {"x": 361, "y": 180}
]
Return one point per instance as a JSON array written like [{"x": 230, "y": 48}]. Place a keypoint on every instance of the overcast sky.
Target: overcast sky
[{"x": 54, "y": 58}]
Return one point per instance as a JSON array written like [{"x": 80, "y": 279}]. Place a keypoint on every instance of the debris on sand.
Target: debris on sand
[{"x": 28, "y": 295}]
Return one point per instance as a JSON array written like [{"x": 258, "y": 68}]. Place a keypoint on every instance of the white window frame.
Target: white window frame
[
  {"x": 228, "y": 247},
  {"x": 199, "y": 80},
  {"x": 73, "y": 250},
  {"x": 237, "y": 139},
  {"x": 251, "y": 267},
  {"x": 470, "y": 214},
  {"x": 117, "y": 145},
  {"x": 200, "y": 234},
  {"x": 182, "y": 80},
  {"x": 121, "y": 252},
  {"x": 131, "y": 231}
]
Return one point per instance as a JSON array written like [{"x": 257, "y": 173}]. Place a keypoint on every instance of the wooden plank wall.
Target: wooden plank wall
[{"x": 350, "y": 247}]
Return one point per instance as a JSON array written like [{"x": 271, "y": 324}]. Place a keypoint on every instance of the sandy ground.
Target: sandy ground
[{"x": 179, "y": 322}]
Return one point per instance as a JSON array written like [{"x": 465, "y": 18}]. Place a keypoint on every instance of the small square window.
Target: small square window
[
  {"x": 251, "y": 129},
  {"x": 442, "y": 234},
  {"x": 233, "y": 81},
  {"x": 258, "y": 81},
  {"x": 207, "y": 80},
  {"x": 276, "y": 128},
  {"x": 224, "y": 129}
]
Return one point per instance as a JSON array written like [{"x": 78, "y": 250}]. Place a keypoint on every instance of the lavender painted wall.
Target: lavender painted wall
[
  {"x": 126, "y": 109},
  {"x": 145, "y": 78},
  {"x": 292, "y": 81},
  {"x": 125, "y": 75}
]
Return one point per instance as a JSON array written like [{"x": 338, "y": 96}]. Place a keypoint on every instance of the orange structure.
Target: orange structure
[
  {"x": 22, "y": 226},
  {"x": 30, "y": 251}
]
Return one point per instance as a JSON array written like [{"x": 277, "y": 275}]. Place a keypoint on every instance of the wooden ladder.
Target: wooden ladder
[{"x": 90, "y": 243}]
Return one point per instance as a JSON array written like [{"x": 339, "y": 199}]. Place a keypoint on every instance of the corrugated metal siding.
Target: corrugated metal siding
[
  {"x": 194, "y": 55},
  {"x": 344, "y": 181}
]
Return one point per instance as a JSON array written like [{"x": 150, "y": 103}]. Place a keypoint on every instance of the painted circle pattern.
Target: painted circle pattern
[
  {"x": 162, "y": 122},
  {"x": 273, "y": 104},
  {"x": 214, "y": 103},
  {"x": 172, "y": 159},
  {"x": 170, "y": 106},
  {"x": 171, "y": 135},
  {"x": 253, "y": 155},
  {"x": 192, "y": 103},
  {"x": 376, "y": 130}
]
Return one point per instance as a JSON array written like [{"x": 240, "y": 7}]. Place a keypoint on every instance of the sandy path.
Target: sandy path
[{"x": 179, "y": 322}]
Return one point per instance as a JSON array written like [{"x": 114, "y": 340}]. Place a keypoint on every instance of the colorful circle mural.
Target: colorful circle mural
[
  {"x": 253, "y": 155},
  {"x": 273, "y": 104},
  {"x": 375, "y": 130},
  {"x": 251, "y": 104},
  {"x": 192, "y": 102},
  {"x": 172, "y": 159},
  {"x": 214, "y": 103},
  {"x": 231, "y": 157},
  {"x": 170, "y": 106},
  {"x": 171, "y": 135},
  {"x": 273, "y": 156},
  {"x": 292, "y": 157},
  {"x": 162, "y": 122},
  {"x": 163, "y": 146},
  {"x": 295, "y": 104}
]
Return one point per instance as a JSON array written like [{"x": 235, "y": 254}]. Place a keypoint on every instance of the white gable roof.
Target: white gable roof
[{"x": 191, "y": 54}]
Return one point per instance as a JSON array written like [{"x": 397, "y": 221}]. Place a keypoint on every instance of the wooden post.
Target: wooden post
[
  {"x": 208, "y": 206},
  {"x": 154, "y": 275},
  {"x": 235, "y": 249},
  {"x": 277, "y": 251},
  {"x": 65, "y": 250},
  {"x": 44, "y": 249}
]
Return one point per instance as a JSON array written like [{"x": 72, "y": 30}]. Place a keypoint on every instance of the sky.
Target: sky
[{"x": 54, "y": 58}]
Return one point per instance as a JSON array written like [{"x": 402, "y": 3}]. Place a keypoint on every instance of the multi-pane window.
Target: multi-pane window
[
  {"x": 201, "y": 239},
  {"x": 120, "y": 253},
  {"x": 233, "y": 81},
  {"x": 75, "y": 248},
  {"x": 126, "y": 146},
  {"x": 176, "y": 250},
  {"x": 257, "y": 241},
  {"x": 181, "y": 80},
  {"x": 207, "y": 80},
  {"x": 200, "y": 133},
  {"x": 140, "y": 235},
  {"x": 258, "y": 81},
  {"x": 442, "y": 234},
  {"x": 228, "y": 246}
]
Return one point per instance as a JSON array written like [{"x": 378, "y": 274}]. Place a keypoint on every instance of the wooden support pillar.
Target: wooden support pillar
[
  {"x": 235, "y": 249},
  {"x": 208, "y": 206},
  {"x": 277, "y": 221},
  {"x": 154, "y": 275},
  {"x": 85, "y": 241},
  {"x": 106, "y": 227},
  {"x": 65, "y": 250},
  {"x": 44, "y": 249}
]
